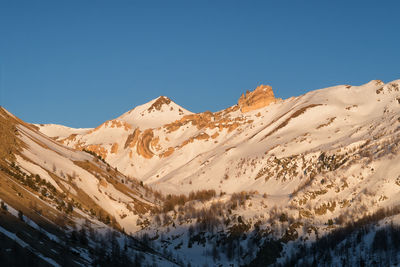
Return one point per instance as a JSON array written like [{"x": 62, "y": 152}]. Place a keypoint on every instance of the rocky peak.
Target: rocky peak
[
  {"x": 262, "y": 96},
  {"x": 160, "y": 101}
]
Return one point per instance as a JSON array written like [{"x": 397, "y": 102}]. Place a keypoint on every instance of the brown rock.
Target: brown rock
[
  {"x": 132, "y": 138},
  {"x": 114, "y": 148},
  {"x": 103, "y": 183},
  {"x": 167, "y": 153},
  {"x": 262, "y": 96},
  {"x": 215, "y": 135},
  {"x": 143, "y": 145},
  {"x": 112, "y": 124},
  {"x": 159, "y": 103},
  {"x": 202, "y": 136},
  {"x": 154, "y": 143},
  {"x": 98, "y": 149},
  {"x": 72, "y": 138}
]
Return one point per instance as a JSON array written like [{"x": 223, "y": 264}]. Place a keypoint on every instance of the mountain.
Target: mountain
[
  {"x": 48, "y": 192},
  {"x": 205, "y": 150},
  {"x": 312, "y": 179}
]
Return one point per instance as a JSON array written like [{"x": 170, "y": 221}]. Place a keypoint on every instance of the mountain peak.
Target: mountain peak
[
  {"x": 259, "y": 98},
  {"x": 159, "y": 102},
  {"x": 157, "y": 112}
]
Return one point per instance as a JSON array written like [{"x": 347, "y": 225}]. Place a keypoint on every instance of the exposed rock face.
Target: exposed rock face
[
  {"x": 154, "y": 143},
  {"x": 208, "y": 120},
  {"x": 114, "y": 148},
  {"x": 132, "y": 139},
  {"x": 98, "y": 149},
  {"x": 262, "y": 96},
  {"x": 159, "y": 103},
  {"x": 167, "y": 153},
  {"x": 112, "y": 124},
  {"x": 143, "y": 145}
]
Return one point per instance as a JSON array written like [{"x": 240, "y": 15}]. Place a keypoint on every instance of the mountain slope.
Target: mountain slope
[
  {"x": 279, "y": 174},
  {"x": 49, "y": 192},
  {"x": 181, "y": 155}
]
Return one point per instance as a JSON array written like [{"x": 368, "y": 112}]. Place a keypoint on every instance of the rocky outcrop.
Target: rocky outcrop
[
  {"x": 103, "y": 183},
  {"x": 208, "y": 120},
  {"x": 215, "y": 135},
  {"x": 159, "y": 103},
  {"x": 167, "y": 153},
  {"x": 98, "y": 149},
  {"x": 154, "y": 143},
  {"x": 70, "y": 138},
  {"x": 132, "y": 139},
  {"x": 143, "y": 145},
  {"x": 262, "y": 96},
  {"x": 200, "y": 136},
  {"x": 199, "y": 120},
  {"x": 112, "y": 124},
  {"x": 114, "y": 148}
]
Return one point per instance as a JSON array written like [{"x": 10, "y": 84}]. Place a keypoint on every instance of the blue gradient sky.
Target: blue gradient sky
[{"x": 82, "y": 62}]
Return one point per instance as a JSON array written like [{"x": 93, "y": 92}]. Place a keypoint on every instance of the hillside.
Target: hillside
[
  {"x": 231, "y": 149},
  {"x": 257, "y": 183},
  {"x": 69, "y": 200}
]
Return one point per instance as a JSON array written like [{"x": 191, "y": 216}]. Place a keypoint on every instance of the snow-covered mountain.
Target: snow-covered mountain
[
  {"x": 48, "y": 192},
  {"x": 234, "y": 149},
  {"x": 252, "y": 184}
]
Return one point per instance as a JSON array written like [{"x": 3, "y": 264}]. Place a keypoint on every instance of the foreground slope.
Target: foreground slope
[{"x": 70, "y": 200}]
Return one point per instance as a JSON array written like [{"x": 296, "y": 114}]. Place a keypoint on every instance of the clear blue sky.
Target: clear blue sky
[{"x": 79, "y": 63}]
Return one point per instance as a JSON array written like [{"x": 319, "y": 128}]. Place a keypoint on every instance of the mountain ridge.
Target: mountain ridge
[
  {"x": 262, "y": 185},
  {"x": 175, "y": 141}
]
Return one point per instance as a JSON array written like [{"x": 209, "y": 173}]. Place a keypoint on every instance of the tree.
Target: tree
[
  {"x": 3, "y": 205},
  {"x": 191, "y": 230},
  {"x": 107, "y": 220},
  {"x": 268, "y": 253},
  {"x": 70, "y": 207},
  {"x": 21, "y": 215},
  {"x": 74, "y": 236},
  {"x": 82, "y": 237},
  {"x": 380, "y": 241},
  {"x": 157, "y": 220},
  {"x": 283, "y": 218},
  {"x": 215, "y": 253}
]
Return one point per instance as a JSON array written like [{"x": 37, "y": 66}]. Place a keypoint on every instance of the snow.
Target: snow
[
  {"x": 36, "y": 169},
  {"x": 31, "y": 223},
  {"x": 203, "y": 164},
  {"x": 60, "y": 131},
  {"x": 13, "y": 237},
  {"x": 141, "y": 117},
  {"x": 48, "y": 260},
  {"x": 275, "y": 154},
  {"x": 191, "y": 166},
  {"x": 46, "y": 156}
]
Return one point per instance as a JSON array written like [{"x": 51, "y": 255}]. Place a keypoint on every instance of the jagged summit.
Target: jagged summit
[
  {"x": 154, "y": 113},
  {"x": 262, "y": 96},
  {"x": 159, "y": 102}
]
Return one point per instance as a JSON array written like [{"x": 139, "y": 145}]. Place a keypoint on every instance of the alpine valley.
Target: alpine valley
[{"x": 312, "y": 180}]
